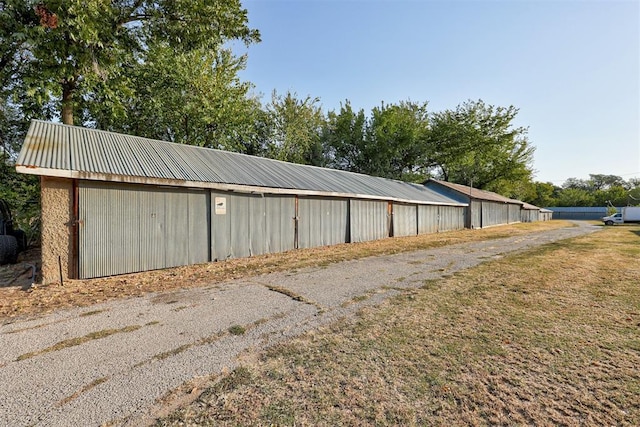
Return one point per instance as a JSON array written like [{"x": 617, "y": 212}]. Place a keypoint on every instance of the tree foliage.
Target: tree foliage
[
  {"x": 192, "y": 98},
  {"x": 344, "y": 138},
  {"x": 296, "y": 126},
  {"x": 598, "y": 190},
  {"x": 391, "y": 143},
  {"x": 477, "y": 144},
  {"x": 396, "y": 141},
  {"x": 60, "y": 53}
]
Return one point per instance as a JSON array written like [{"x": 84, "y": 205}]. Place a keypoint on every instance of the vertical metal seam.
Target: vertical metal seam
[{"x": 75, "y": 268}]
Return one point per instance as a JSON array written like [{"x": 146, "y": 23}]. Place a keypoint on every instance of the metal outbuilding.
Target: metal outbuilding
[
  {"x": 546, "y": 214},
  {"x": 114, "y": 203},
  {"x": 532, "y": 213},
  {"x": 485, "y": 208}
]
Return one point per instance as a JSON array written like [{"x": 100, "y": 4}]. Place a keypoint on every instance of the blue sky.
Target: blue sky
[{"x": 571, "y": 67}]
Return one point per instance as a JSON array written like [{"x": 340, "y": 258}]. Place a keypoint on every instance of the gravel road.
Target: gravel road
[{"x": 111, "y": 362}]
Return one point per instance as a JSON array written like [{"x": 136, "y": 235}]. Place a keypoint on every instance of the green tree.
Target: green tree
[
  {"x": 344, "y": 139},
  {"x": 192, "y": 98},
  {"x": 296, "y": 126},
  {"x": 477, "y": 144},
  {"x": 604, "y": 182},
  {"x": 396, "y": 140},
  {"x": 634, "y": 192},
  {"x": 615, "y": 195},
  {"x": 57, "y": 53},
  {"x": 575, "y": 197},
  {"x": 544, "y": 194},
  {"x": 603, "y": 190}
]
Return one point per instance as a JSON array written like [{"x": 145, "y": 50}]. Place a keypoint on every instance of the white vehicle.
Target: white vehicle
[{"x": 628, "y": 214}]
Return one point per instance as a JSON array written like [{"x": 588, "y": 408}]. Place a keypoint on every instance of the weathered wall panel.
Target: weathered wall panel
[
  {"x": 335, "y": 231},
  {"x": 109, "y": 234},
  {"x": 428, "y": 219},
  {"x": 514, "y": 213},
  {"x": 232, "y": 218},
  {"x": 128, "y": 228},
  {"x": 405, "y": 220},
  {"x": 199, "y": 219},
  {"x": 530, "y": 215},
  {"x": 245, "y": 225},
  {"x": 150, "y": 211},
  {"x": 474, "y": 214},
  {"x": 238, "y": 209},
  {"x": 257, "y": 225},
  {"x": 451, "y": 218},
  {"x": 369, "y": 220},
  {"x": 494, "y": 213},
  {"x": 321, "y": 222},
  {"x": 221, "y": 226},
  {"x": 280, "y": 214}
]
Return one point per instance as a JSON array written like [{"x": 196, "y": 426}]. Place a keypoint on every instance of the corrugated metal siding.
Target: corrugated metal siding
[
  {"x": 128, "y": 228},
  {"x": 530, "y": 215},
  {"x": 494, "y": 213},
  {"x": 199, "y": 220},
  {"x": 475, "y": 213},
  {"x": 238, "y": 209},
  {"x": 238, "y": 230},
  {"x": 96, "y": 154},
  {"x": 514, "y": 213},
  {"x": 405, "y": 220},
  {"x": 280, "y": 213},
  {"x": 108, "y": 238},
  {"x": 257, "y": 225},
  {"x": 428, "y": 219},
  {"x": 322, "y": 222},
  {"x": 369, "y": 220},
  {"x": 451, "y": 218},
  {"x": 579, "y": 213}
]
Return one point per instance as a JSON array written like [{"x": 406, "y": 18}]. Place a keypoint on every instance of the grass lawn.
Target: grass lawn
[{"x": 546, "y": 337}]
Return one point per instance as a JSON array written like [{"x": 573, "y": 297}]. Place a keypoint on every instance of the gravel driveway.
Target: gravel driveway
[{"x": 111, "y": 362}]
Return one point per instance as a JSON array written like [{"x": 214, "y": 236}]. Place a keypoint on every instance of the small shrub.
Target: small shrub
[{"x": 237, "y": 330}]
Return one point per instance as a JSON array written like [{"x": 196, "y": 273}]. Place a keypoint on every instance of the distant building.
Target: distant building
[{"x": 484, "y": 208}]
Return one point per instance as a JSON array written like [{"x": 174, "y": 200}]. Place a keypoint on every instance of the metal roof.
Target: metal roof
[
  {"x": 529, "y": 206},
  {"x": 474, "y": 193},
  {"x": 54, "y": 149}
]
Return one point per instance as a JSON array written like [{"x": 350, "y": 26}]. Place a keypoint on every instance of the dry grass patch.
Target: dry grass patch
[
  {"x": 72, "y": 342},
  {"x": 546, "y": 337},
  {"x": 84, "y": 389},
  {"x": 42, "y": 299}
]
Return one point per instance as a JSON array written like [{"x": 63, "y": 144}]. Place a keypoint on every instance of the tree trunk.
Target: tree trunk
[{"x": 68, "y": 87}]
